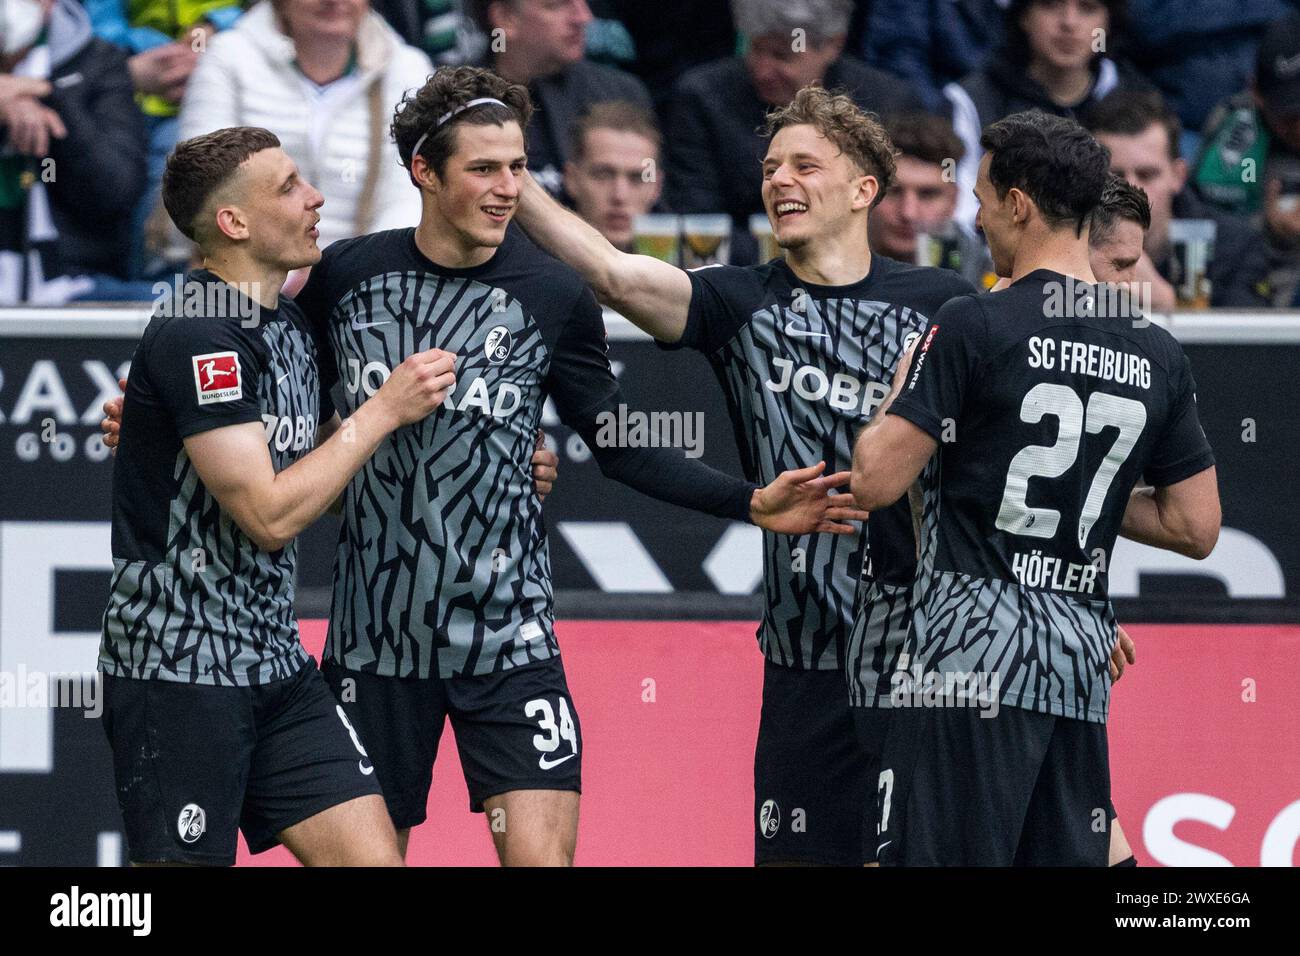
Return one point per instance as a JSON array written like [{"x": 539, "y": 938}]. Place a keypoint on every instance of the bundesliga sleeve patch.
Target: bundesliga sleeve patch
[{"x": 217, "y": 377}]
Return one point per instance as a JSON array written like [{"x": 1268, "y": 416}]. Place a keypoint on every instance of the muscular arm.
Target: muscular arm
[
  {"x": 647, "y": 291},
  {"x": 1183, "y": 517}
]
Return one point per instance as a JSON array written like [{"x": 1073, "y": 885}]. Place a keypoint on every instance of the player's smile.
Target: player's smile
[{"x": 499, "y": 212}]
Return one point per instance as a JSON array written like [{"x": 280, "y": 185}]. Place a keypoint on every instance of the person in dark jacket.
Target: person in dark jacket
[
  {"x": 72, "y": 154},
  {"x": 715, "y": 149},
  {"x": 1054, "y": 58},
  {"x": 1198, "y": 52},
  {"x": 931, "y": 43},
  {"x": 540, "y": 44},
  {"x": 1142, "y": 134}
]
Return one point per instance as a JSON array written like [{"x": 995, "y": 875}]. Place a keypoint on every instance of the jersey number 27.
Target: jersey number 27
[{"x": 1052, "y": 461}]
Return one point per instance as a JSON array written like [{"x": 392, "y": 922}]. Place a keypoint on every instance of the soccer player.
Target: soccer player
[
  {"x": 217, "y": 718},
  {"x": 1044, "y": 413},
  {"x": 442, "y": 602},
  {"x": 803, "y": 347},
  {"x": 1119, "y": 226}
]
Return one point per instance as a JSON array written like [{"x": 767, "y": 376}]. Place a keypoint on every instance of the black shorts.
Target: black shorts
[
  {"x": 812, "y": 786},
  {"x": 1017, "y": 789},
  {"x": 515, "y": 730},
  {"x": 195, "y": 764},
  {"x": 872, "y": 724}
]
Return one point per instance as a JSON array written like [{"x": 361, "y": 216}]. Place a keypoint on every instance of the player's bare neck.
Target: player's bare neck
[
  {"x": 1058, "y": 250},
  {"x": 449, "y": 248},
  {"x": 256, "y": 280},
  {"x": 827, "y": 264}
]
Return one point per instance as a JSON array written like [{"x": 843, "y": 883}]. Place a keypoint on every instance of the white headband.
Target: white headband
[{"x": 448, "y": 115}]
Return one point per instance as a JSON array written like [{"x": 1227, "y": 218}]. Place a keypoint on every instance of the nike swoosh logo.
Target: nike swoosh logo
[
  {"x": 791, "y": 330},
  {"x": 1287, "y": 66},
  {"x": 361, "y": 765},
  {"x": 883, "y": 845},
  {"x": 281, "y": 378},
  {"x": 548, "y": 764},
  {"x": 358, "y": 326}
]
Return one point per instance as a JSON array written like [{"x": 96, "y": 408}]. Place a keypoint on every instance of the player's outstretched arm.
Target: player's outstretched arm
[
  {"x": 1182, "y": 517},
  {"x": 890, "y": 451},
  {"x": 273, "y": 508},
  {"x": 647, "y": 291}
]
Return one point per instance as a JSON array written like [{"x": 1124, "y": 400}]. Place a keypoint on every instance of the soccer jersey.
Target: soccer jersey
[
  {"x": 802, "y": 367},
  {"x": 442, "y": 567},
  {"x": 1046, "y": 415},
  {"x": 193, "y": 599}
]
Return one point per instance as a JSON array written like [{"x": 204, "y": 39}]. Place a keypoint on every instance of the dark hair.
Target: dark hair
[
  {"x": 1120, "y": 202},
  {"x": 1015, "y": 43},
  {"x": 1133, "y": 112},
  {"x": 1052, "y": 160},
  {"x": 620, "y": 115},
  {"x": 924, "y": 136},
  {"x": 444, "y": 92},
  {"x": 837, "y": 117},
  {"x": 198, "y": 167}
]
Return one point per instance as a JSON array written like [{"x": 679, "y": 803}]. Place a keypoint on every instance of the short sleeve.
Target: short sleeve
[
  {"x": 1182, "y": 450},
  {"x": 718, "y": 296},
  {"x": 943, "y": 367},
  {"x": 580, "y": 377},
  {"x": 314, "y": 302},
  {"x": 205, "y": 374}
]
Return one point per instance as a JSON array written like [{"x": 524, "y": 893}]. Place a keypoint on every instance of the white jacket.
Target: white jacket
[{"x": 246, "y": 77}]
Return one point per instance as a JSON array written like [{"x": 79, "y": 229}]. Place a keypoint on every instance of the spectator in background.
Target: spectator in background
[
  {"x": 1142, "y": 134},
  {"x": 931, "y": 43},
  {"x": 1053, "y": 59},
  {"x": 612, "y": 173},
  {"x": 1252, "y": 140},
  {"x": 1198, "y": 52},
  {"x": 165, "y": 38},
  {"x": 540, "y": 44},
  {"x": 443, "y": 29},
  {"x": 72, "y": 155},
  {"x": 323, "y": 75},
  {"x": 664, "y": 53},
  {"x": 923, "y": 195},
  {"x": 715, "y": 149}
]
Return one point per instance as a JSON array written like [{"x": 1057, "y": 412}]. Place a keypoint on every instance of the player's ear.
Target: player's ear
[
  {"x": 232, "y": 223},
  {"x": 868, "y": 189},
  {"x": 424, "y": 175},
  {"x": 1021, "y": 205}
]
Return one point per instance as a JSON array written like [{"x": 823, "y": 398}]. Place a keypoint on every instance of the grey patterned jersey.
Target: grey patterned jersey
[
  {"x": 192, "y": 598},
  {"x": 1045, "y": 419},
  {"x": 442, "y": 568},
  {"x": 802, "y": 367}
]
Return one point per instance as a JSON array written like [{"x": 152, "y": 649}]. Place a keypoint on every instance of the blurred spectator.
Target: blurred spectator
[
  {"x": 1141, "y": 132},
  {"x": 1253, "y": 138},
  {"x": 715, "y": 148},
  {"x": 931, "y": 43},
  {"x": 923, "y": 195},
  {"x": 1198, "y": 51},
  {"x": 71, "y": 154},
  {"x": 662, "y": 55},
  {"x": 165, "y": 38},
  {"x": 1118, "y": 230},
  {"x": 1052, "y": 58},
  {"x": 443, "y": 29},
  {"x": 541, "y": 43},
  {"x": 324, "y": 76},
  {"x": 613, "y": 173}
]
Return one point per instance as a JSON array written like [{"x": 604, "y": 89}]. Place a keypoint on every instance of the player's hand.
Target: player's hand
[
  {"x": 1122, "y": 654},
  {"x": 1163, "y": 296},
  {"x": 797, "y": 503},
  {"x": 111, "y": 426},
  {"x": 546, "y": 467},
  {"x": 418, "y": 386}
]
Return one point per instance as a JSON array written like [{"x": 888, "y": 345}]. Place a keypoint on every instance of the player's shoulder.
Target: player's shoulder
[
  {"x": 359, "y": 252},
  {"x": 925, "y": 288},
  {"x": 523, "y": 263},
  {"x": 739, "y": 280}
]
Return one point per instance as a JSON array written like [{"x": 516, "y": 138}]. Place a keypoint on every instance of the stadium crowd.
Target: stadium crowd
[{"x": 645, "y": 107}]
